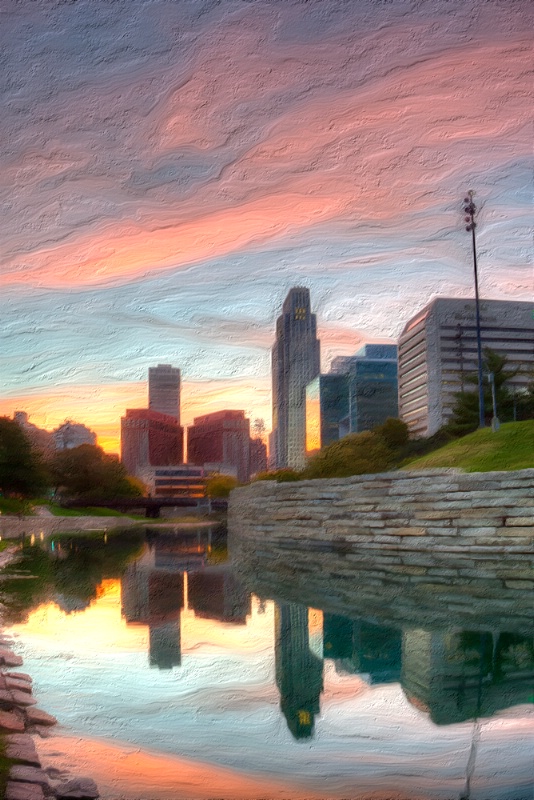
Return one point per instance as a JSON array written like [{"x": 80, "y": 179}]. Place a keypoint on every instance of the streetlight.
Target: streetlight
[{"x": 470, "y": 210}]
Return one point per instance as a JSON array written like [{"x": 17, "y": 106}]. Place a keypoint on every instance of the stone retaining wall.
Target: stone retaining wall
[{"x": 443, "y": 535}]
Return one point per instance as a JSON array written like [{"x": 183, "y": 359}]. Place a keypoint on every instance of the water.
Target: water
[{"x": 174, "y": 674}]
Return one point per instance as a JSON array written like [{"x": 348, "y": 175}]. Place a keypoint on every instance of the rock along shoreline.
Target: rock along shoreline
[{"x": 20, "y": 720}]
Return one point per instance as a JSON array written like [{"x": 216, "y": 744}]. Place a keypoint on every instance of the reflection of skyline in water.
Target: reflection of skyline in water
[
  {"x": 453, "y": 675},
  {"x": 241, "y": 674},
  {"x": 173, "y": 571}
]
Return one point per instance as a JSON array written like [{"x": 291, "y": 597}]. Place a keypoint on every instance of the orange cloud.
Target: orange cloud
[{"x": 101, "y": 407}]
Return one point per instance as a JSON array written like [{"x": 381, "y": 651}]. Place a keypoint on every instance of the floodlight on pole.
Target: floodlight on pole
[{"x": 470, "y": 210}]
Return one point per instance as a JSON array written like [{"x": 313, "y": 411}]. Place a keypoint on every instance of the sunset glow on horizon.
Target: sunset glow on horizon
[{"x": 169, "y": 174}]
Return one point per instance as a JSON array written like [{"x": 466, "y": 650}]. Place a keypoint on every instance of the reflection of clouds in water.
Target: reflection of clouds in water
[{"x": 222, "y": 704}]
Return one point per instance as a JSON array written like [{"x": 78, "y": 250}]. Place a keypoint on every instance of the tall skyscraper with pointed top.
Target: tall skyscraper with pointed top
[{"x": 295, "y": 362}]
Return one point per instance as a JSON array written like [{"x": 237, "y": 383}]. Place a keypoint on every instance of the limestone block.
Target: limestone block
[
  {"x": 14, "y": 683},
  {"x": 9, "y": 659},
  {"x": 519, "y": 584},
  {"x": 516, "y": 530},
  {"x": 77, "y": 789},
  {"x": 412, "y": 531},
  {"x": 519, "y": 521},
  {"x": 26, "y": 774},
  {"x": 11, "y": 722},
  {"x": 21, "y": 747},
  {"x": 24, "y": 791},
  {"x": 35, "y": 716}
]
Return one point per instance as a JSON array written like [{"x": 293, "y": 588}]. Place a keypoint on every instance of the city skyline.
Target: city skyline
[{"x": 170, "y": 176}]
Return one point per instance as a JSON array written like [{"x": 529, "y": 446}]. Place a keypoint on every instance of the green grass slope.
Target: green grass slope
[{"x": 511, "y": 447}]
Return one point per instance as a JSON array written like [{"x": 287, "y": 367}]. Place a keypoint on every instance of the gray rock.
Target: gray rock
[
  {"x": 20, "y": 676},
  {"x": 77, "y": 789},
  {"x": 24, "y": 774},
  {"x": 21, "y": 747},
  {"x": 9, "y": 658},
  {"x": 15, "y": 683},
  {"x": 11, "y": 722},
  {"x": 24, "y": 791},
  {"x": 37, "y": 717}
]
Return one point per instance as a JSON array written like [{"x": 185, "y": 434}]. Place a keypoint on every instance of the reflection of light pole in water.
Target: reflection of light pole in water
[{"x": 470, "y": 210}]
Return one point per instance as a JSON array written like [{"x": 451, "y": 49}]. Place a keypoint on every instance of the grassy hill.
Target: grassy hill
[{"x": 511, "y": 447}]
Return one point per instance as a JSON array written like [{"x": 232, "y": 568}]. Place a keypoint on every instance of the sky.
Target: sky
[{"x": 170, "y": 169}]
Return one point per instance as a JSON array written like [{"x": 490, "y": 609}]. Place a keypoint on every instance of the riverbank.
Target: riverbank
[
  {"x": 22, "y": 776},
  {"x": 19, "y": 528}
]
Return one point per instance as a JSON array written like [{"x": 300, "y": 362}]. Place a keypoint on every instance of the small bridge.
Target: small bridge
[{"x": 151, "y": 505}]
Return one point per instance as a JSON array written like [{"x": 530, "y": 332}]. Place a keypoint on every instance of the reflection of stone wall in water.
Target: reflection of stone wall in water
[{"x": 443, "y": 541}]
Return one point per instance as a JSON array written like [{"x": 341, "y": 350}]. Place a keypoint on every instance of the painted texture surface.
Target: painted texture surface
[{"x": 169, "y": 170}]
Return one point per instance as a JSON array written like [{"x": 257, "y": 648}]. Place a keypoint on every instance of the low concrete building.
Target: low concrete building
[{"x": 174, "y": 480}]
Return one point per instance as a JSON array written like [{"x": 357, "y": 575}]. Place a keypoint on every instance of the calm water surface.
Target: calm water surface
[{"x": 171, "y": 679}]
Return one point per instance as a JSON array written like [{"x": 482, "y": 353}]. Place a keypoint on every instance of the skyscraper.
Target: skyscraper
[
  {"x": 295, "y": 362},
  {"x": 164, "y": 390}
]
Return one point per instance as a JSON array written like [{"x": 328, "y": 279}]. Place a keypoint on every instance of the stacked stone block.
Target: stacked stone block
[{"x": 464, "y": 542}]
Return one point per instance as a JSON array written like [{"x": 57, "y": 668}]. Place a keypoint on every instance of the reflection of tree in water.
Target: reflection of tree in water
[
  {"x": 495, "y": 655},
  {"x": 69, "y": 571},
  {"x": 467, "y": 674}
]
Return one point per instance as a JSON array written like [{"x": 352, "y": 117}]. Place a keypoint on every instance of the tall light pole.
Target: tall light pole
[{"x": 470, "y": 210}]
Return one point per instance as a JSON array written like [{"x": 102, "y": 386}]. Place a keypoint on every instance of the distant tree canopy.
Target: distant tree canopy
[
  {"x": 283, "y": 475},
  {"x": 87, "y": 472},
  {"x": 355, "y": 454},
  {"x": 221, "y": 485},
  {"x": 21, "y": 469},
  {"x": 465, "y": 417}
]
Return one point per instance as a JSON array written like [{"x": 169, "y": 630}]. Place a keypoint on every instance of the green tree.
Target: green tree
[
  {"x": 221, "y": 485},
  {"x": 21, "y": 469},
  {"x": 465, "y": 417},
  {"x": 355, "y": 454},
  {"x": 87, "y": 472},
  {"x": 394, "y": 432},
  {"x": 283, "y": 475},
  {"x": 523, "y": 401}
]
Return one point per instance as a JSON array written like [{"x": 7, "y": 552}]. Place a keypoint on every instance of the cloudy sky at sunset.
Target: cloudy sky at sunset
[{"x": 170, "y": 169}]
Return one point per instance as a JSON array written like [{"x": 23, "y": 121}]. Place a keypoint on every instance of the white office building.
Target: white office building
[{"x": 438, "y": 350}]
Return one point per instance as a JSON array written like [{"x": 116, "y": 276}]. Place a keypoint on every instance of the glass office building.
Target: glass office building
[
  {"x": 327, "y": 408},
  {"x": 359, "y": 393},
  {"x": 373, "y": 387}
]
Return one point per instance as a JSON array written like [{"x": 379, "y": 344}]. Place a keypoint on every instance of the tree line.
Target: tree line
[
  {"x": 83, "y": 473},
  {"x": 86, "y": 472}
]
